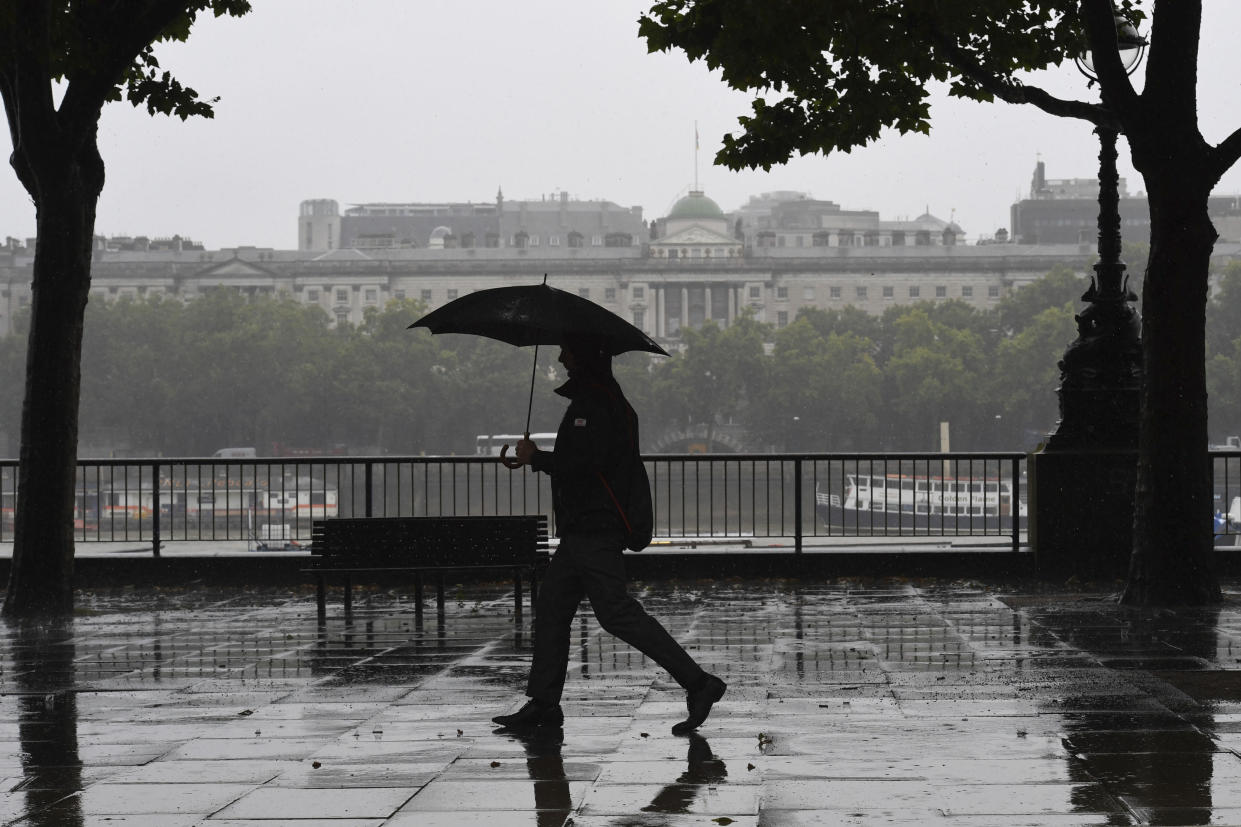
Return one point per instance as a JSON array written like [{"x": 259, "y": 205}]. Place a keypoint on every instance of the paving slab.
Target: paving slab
[{"x": 851, "y": 702}]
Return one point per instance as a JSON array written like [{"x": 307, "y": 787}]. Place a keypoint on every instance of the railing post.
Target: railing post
[
  {"x": 797, "y": 515},
  {"x": 1015, "y": 504},
  {"x": 369, "y": 482},
  {"x": 154, "y": 509}
]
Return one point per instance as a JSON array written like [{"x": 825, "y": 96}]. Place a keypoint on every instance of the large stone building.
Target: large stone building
[
  {"x": 701, "y": 263},
  {"x": 555, "y": 221},
  {"x": 1066, "y": 211}
]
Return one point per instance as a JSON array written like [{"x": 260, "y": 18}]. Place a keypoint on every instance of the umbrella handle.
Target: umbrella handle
[
  {"x": 511, "y": 464},
  {"x": 514, "y": 463}
]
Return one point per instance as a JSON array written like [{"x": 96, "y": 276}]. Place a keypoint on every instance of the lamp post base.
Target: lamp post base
[{"x": 1081, "y": 502}]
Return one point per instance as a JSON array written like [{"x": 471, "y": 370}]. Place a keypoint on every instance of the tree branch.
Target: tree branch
[
  {"x": 27, "y": 91},
  {"x": 1117, "y": 91},
  {"x": 1015, "y": 92},
  {"x": 1175, "y": 30},
  {"x": 130, "y": 33},
  {"x": 1226, "y": 154}
]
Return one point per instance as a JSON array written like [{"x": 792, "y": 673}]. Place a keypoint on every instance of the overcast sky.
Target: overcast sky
[{"x": 436, "y": 100}]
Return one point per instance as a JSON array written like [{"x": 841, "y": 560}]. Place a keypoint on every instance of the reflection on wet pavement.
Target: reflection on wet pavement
[{"x": 878, "y": 702}]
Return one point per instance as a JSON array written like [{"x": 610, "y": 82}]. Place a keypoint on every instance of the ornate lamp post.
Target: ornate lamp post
[
  {"x": 1082, "y": 483},
  {"x": 1101, "y": 373}
]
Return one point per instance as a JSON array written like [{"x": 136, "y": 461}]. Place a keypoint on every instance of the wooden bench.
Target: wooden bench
[{"x": 345, "y": 547}]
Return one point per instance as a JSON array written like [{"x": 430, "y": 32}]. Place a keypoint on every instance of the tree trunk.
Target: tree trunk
[
  {"x": 41, "y": 578},
  {"x": 1173, "y": 540}
]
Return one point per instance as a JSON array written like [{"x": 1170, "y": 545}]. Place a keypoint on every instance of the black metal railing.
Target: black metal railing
[
  {"x": 1226, "y": 469},
  {"x": 752, "y": 500},
  {"x": 794, "y": 502}
]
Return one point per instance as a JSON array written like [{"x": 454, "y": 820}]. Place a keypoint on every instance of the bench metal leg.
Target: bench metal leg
[
  {"x": 439, "y": 595},
  {"x": 348, "y": 599},
  {"x": 516, "y": 595},
  {"x": 321, "y": 599}
]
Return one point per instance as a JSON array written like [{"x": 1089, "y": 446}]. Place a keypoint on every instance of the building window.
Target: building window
[
  {"x": 426, "y": 295},
  {"x": 834, "y": 291},
  {"x": 967, "y": 292},
  {"x": 342, "y": 296},
  {"x": 782, "y": 293},
  {"x": 861, "y": 291},
  {"x": 521, "y": 240},
  {"x": 782, "y": 318},
  {"x": 821, "y": 240},
  {"x": 584, "y": 292},
  {"x": 371, "y": 295},
  {"x": 941, "y": 292},
  {"x": 575, "y": 239},
  {"x": 993, "y": 291},
  {"x": 807, "y": 294},
  {"x": 923, "y": 238},
  {"x": 915, "y": 292},
  {"x": 889, "y": 291},
  {"x": 639, "y": 319},
  {"x": 399, "y": 295},
  {"x": 534, "y": 241},
  {"x": 553, "y": 241},
  {"x": 755, "y": 292},
  {"x": 452, "y": 293},
  {"x": 898, "y": 238},
  {"x": 596, "y": 241},
  {"x": 312, "y": 296},
  {"x": 609, "y": 294},
  {"x": 639, "y": 293}
]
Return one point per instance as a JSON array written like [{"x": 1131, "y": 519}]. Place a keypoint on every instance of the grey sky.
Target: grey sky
[{"x": 391, "y": 100}]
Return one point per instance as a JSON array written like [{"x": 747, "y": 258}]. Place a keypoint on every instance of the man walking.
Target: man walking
[{"x": 596, "y": 446}]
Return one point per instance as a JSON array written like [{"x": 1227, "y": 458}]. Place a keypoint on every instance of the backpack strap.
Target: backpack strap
[
  {"x": 619, "y": 509},
  {"x": 631, "y": 421}
]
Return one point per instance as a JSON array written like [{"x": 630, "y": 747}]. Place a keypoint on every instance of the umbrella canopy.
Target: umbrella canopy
[{"x": 536, "y": 315}]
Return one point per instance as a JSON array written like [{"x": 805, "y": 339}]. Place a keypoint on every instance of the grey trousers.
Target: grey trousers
[{"x": 592, "y": 565}]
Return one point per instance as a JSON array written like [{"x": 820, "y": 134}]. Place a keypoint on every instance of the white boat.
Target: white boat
[{"x": 920, "y": 501}]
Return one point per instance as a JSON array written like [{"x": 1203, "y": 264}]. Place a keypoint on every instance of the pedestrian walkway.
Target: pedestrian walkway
[{"x": 849, "y": 703}]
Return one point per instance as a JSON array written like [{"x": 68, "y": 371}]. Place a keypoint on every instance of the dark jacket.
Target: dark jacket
[{"x": 598, "y": 435}]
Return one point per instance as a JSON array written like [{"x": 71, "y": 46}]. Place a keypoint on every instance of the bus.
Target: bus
[{"x": 490, "y": 445}]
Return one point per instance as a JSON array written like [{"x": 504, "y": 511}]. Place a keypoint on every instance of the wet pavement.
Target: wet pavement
[{"x": 849, "y": 703}]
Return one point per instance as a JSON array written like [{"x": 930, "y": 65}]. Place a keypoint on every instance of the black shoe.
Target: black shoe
[
  {"x": 699, "y": 702},
  {"x": 533, "y": 714}
]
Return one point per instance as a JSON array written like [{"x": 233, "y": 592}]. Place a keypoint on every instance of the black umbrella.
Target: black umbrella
[{"x": 535, "y": 315}]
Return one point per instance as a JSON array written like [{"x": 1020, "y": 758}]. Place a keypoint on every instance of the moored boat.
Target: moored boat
[{"x": 930, "y": 502}]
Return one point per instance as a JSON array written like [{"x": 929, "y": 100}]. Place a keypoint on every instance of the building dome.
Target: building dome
[{"x": 695, "y": 205}]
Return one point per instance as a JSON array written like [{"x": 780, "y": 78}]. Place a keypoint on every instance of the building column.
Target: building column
[
  {"x": 706, "y": 297},
  {"x": 684, "y": 309},
  {"x": 658, "y": 307}
]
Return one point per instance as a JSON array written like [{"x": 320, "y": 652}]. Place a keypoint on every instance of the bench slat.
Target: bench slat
[{"x": 429, "y": 542}]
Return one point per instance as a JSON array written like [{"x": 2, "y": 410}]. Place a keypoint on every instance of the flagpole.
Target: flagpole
[{"x": 695, "y": 156}]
